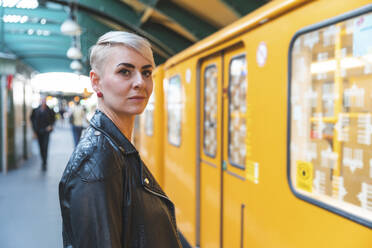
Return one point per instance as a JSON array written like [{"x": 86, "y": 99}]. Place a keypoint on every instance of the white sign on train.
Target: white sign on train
[{"x": 261, "y": 54}]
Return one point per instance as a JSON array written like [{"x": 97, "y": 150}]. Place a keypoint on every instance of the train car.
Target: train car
[{"x": 266, "y": 138}]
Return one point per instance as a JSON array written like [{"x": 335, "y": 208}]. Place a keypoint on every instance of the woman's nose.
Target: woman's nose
[{"x": 138, "y": 80}]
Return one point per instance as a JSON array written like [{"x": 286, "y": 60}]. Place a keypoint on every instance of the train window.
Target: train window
[
  {"x": 330, "y": 144},
  {"x": 174, "y": 108},
  {"x": 149, "y": 116},
  {"x": 237, "y": 111},
  {"x": 210, "y": 110}
]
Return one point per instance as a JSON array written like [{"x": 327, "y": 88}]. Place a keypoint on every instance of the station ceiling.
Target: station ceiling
[{"x": 34, "y": 36}]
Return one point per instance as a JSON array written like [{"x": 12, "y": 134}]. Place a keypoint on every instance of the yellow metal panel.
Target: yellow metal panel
[
  {"x": 271, "y": 215},
  {"x": 180, "y": 162},
  {"x": 233, "y": 177},
  {"x": 210, "y": 163},
  {"x": 276, "y": 217},
  {"x": 151, "y": 147}
]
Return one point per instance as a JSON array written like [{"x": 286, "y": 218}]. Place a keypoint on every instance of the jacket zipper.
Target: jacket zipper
[{"x": 155, "y": 193}]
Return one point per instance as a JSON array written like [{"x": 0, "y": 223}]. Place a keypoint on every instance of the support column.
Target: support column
[{"x": 7, "y": 66}]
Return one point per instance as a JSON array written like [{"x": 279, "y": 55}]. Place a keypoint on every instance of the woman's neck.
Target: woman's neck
[{"x": 124, "y": 122}]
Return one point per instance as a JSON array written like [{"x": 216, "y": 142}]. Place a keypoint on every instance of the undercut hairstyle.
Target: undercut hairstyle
[{"x": 99, "y": 51}]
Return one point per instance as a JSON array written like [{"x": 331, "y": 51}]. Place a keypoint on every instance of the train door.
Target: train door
[
  {"x": 223, "y": 143},
  {"x": 235, "y": 146},
  {"x": 210, "y": 151}
]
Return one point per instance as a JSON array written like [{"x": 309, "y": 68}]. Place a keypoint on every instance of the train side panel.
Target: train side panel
[
  {"x": 228, "y": 162},
  {"x": 152, "y": 129},
  {"x": 273, "y": 215},
  {"x": 180, "y": 144}
]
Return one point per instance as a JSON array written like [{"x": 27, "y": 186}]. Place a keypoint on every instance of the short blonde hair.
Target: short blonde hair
[{"x": 99, "y": 51}]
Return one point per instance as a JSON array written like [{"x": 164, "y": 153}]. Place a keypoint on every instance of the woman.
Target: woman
[{"x": 108, "y": 197}]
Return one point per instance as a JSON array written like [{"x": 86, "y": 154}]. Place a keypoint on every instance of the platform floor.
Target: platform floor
[{"x": 29, "y": 206}]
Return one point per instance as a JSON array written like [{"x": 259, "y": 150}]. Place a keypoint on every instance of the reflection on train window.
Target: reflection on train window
[
  {"x": 331, "y": 119},
  {"x": 174, "y": 108},
  {"x": 237, "y": 111},
  {"x": 149, "y": 116},
  {"x": 210, "y": 111}
]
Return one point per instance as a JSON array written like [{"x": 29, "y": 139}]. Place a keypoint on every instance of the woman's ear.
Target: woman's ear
[{"x": 94, "y": 80}]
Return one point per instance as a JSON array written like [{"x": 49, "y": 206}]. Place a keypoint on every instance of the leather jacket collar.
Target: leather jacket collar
[{"x": 102, "y": 123}]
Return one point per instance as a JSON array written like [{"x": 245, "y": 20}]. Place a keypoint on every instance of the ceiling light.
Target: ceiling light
[
  {"x": 76, "y": 65},
  {"x": 30, "y": 4},
  {"x": 23, "y": 4},
  {"x": 70, "y": 27},
  {"x": 74, "y": 53},
  {"x": 24, "y": 19}
]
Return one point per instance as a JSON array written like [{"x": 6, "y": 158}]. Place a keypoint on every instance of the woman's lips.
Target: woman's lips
[{"x": 137, "y": 98}]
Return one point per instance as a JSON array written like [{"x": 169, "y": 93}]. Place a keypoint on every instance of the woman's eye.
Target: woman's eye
[
  {"x": 125, "y": 72},
  {"x": 147, "y": 73}
]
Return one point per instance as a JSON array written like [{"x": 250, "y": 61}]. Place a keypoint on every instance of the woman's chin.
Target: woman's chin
[{"x": 131, "y": 112}]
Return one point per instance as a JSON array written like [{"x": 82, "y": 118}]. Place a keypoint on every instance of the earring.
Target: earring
[{"x": 99, "y": 94}]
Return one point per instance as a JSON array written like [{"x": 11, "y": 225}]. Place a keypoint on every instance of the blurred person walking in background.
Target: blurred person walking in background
[
  {"x": 62, "y": 112},
  {"x": 77, "y": 120},
  {"x": 42, "y": 120},
  {"x": 108, "y": 196}
]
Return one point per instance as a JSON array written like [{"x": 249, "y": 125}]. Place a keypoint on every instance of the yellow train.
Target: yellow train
[{"x": 261, "y": 133}]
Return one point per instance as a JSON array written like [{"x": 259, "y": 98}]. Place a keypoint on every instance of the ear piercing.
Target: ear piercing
[{"x": 99, "y": 94}]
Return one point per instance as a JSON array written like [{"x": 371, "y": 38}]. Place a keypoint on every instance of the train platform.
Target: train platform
[{"x": 29, "y": 206}]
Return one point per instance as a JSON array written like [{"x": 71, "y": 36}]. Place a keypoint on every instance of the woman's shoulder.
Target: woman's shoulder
[{"x": 94, "y": 158}]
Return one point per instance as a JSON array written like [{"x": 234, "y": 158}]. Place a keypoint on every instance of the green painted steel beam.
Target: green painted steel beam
[
  {"x": 90, "y": 36},
  {"x": 159, "y": 59},
  {"x": 116, "y": 9},
  {"x": 112, "y": 10},
  {"x": 24, "y": 40},
  {"x": 193, "y": 24},
  {"x": 25, "y": 53},
  {"x": 24, "y": 37},
  {"x": 43, "y": 65},
  {"x": 42, "y": 52},
  {"x": 151, "y": 3},
  {"x": 40, "y": 12},
  {"x": 178, "y": 42},
  {"x": 8, "y": 27},
  {"x": 21, "y": 51},
  {"x": 123, "y": 15},
  {"x": 44, "y": 56},
  {"x": 165, "y": 41},
  {"x": 39, "y": 46},
  {"x": 243, "y": 7}
]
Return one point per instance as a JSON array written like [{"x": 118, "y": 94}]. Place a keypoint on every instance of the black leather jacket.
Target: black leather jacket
[
  {"x": 41, "y": 119},
  {"x": 108, "y": 197}
]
